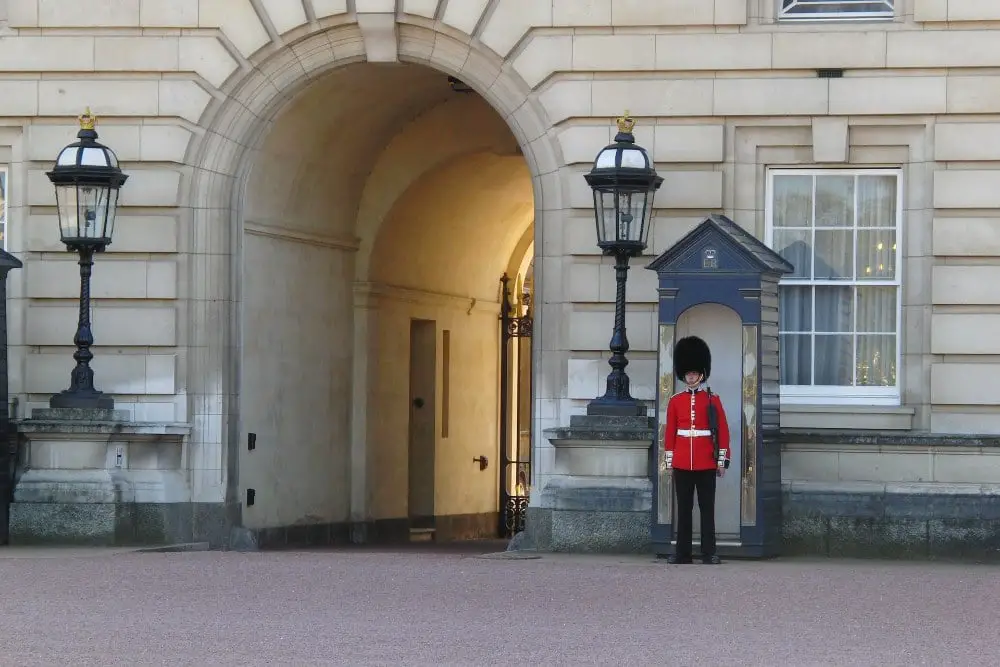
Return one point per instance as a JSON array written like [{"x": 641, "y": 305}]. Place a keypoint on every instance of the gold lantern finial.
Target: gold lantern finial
[
  {"x": 626, "y": 123},
  {"x": 87, "y": 121}
]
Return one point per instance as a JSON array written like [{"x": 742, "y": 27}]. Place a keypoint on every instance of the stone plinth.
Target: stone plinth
[
  {"x": 92, "y": 477},
  {"x": 600, "y": 498}
]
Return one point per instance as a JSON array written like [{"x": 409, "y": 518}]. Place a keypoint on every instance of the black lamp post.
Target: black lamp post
[
  {"x": 87, "y": 179},
  {"x": 624, "y": 182}
]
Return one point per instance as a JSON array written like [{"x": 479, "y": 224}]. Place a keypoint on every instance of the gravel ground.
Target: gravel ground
[{"x": 453, "y": 606}]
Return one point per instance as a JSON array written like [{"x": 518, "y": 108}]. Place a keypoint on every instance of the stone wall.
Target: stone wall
[
  {"x": 891, "y": 495},
  {"x": 187, "y": 90}
]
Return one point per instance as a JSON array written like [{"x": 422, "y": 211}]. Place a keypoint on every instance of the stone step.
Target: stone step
[{"x": 421, "y": 534}]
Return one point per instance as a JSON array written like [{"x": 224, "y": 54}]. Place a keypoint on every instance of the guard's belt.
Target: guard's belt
[{"x": 692, "y": 433}]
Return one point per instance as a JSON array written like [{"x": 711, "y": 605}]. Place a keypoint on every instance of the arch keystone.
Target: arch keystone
[{"x": 379, "y": 34}]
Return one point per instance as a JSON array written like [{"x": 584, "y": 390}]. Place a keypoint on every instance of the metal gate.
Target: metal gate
[{"x": 515, "y": 405}]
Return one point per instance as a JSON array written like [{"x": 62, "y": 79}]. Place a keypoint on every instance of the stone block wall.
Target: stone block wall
[{"x": 721, "y": 89}]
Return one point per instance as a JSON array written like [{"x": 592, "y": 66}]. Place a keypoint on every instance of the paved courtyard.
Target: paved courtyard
[{"x": 460, "y": 606}]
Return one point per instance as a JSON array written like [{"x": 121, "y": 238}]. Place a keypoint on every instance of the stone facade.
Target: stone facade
[{"x": 302, "y": 180}]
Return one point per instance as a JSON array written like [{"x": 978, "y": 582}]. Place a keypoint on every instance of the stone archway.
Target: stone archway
[{"x": 219, "y": 261}]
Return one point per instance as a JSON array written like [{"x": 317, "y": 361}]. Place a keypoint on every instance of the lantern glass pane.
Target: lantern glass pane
[
  {"x": 647, "y": 215},
  {"x": 67, "y": 158},
  {"x": 632, "y": 217},
  {"x": 83, "y": 211},
  {"x": 634, "y": 159},
  {"x": 93, "y": 157},
  {"x": 606, "y": 159},
  {"x": 604, "y": 209},
  {"x": 66, "y": 206},
  {"x": 112, "y": 211}
]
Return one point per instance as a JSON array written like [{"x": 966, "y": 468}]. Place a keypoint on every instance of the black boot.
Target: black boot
[
  {"x": 674, "y": 559},
  {"x": 711, "y": 560}
]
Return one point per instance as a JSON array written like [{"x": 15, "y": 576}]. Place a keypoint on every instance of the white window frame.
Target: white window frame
[
  {"x": 4, "y": 197},
  {"x": 787, "y": 13},
  {"x": 854, "y": 395}
]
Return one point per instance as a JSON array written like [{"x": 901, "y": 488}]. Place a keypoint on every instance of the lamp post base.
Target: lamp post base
[
  {"x": 611, "y": 407},
  {"x": 86, "y": 400}
]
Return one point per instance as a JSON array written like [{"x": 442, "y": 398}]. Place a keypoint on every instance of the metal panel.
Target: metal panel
[
  {"x": 748, "y": 504},
  {"x": 665, "y": 389}
]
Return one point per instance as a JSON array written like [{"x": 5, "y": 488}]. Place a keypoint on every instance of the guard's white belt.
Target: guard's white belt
[{"x": 691, "y": 433}]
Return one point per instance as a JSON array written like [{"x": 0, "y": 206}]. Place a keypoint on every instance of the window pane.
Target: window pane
[
  {"x": 795, "y": 359},
  {"x": 794, "y": 245},
  {"x": 840, "y": 228},
  {"x": 876, "y": 254},
  {"x": 795, "y": 311},
  {"x": 834, "y": 256},
  {"x": 847, "y": 8},
  {"x": 876, "y": 361},
  {"x": 835, "y": 309},
  {"x": 877, "y": 201},
  {"x": 835, "y": 360},
  {"x": 835, "y": 201},
  {"x": 877, "y": 309},
  {"x": 793, "y": 201}
]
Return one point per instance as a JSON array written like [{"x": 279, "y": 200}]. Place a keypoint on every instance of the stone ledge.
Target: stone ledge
[
  {"x": 831, "y": 417},
  {"x": 885, "y": 438},
  {"x": 80, "y": 414},
  {"x": 87, "y": 427},
  {"x": 923, "y": 489},
  {"x": 597, "y": 494},
  {"x": 607, "y": 429}
]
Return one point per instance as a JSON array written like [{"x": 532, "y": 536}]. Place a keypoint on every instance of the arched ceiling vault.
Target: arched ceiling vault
[
  {"x": 455, "y": 229},
  {"x": 390, "y": 157}
]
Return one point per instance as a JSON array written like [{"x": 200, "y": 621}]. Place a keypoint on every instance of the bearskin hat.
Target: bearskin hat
[{"x": 692, "y": 354}]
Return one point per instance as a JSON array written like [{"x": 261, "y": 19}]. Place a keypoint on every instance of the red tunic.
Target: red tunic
[{"x": 686, "y": 433}]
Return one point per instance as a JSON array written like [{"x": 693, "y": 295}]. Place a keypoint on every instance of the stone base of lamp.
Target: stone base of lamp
[
  {"x": 600, "y": 497},
  {"x": 91, "y": 477},
  {"x": 70, "y": 399}
]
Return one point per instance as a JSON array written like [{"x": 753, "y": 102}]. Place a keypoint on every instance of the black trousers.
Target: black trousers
[{"x": 685, "y": 484}]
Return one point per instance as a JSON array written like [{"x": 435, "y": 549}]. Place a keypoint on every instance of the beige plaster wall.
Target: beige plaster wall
[
  {"x": 296, "y": 381},
  {"x": 460, "y": 487},
  {"x": 438, "y": 256}
]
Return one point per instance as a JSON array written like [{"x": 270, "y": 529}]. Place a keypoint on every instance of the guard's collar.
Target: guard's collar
[{"x": 694, "y": 390}]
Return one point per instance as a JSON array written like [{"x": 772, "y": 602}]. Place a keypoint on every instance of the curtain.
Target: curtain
[{"x": 839, "y": 308}]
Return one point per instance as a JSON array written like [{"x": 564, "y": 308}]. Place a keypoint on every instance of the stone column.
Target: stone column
[{"x": 600, "y": 496}]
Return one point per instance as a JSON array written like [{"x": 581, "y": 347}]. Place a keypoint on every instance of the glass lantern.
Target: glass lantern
[{"x": 87, "y": 180}]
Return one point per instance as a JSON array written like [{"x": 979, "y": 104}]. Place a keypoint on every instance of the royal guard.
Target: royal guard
[{"x": 696, "y": 441}]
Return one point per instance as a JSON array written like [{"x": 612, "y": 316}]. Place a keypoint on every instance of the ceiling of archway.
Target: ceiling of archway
[
  {"x": 391, "y": 156},
  {"x": 313, "y": 164},
  {"x": 455, "y": 229}
]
